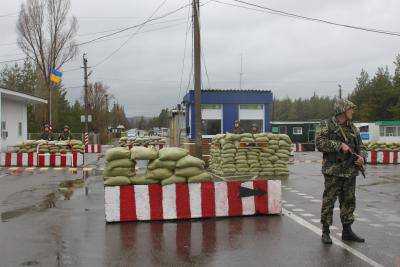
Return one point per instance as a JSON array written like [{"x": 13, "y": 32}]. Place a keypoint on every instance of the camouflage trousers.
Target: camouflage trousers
[{"x": 345, "y": 190}]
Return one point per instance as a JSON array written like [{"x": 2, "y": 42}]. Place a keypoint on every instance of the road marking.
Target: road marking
[
  {"x": 289, "y": 188},
  {"x": 294, "y": 191},
  {"x": 4, "y": 175},
  {"x": 301, "y": 194},
  {"x": 44, "y": 169},
  {"x": 316, "y": 220},
  {"x": 307, "y": 215},
  {"x": 394, "y": 224},
  {"x": 336, "y": 241},
  {"x": 283, "y": 201},
  {"x": 362, "y": 220},
  {"x": 378, "y": 225},
  {"x": 309, "y": 197},
  {"x": 316, "y": 200},
  {"x": 298, "y": 210}
]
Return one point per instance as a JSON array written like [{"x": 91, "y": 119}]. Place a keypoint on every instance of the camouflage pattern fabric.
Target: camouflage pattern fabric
[
  {"x": 342, "y": 105},
  {"x": 344, "y": 188},
  {"x": 328, "y": 140}
]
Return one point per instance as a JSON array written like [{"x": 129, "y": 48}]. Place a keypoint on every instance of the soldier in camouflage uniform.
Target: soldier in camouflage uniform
[{"x": 337, "y": 139}]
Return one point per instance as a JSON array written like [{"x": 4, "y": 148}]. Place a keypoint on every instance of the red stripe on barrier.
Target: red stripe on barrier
[
  {"x": 182, "y": 201},
  {"x": 63, "y": 160},
  {"x": 86, "y": 148},
  {"x": 234, "y": 200},
  {"x": 208, "y": 199},
  {"x": 52, "y": 160},
  {"x": 19, "y": 160},
  {"x": 395, "y": 157},
  {"x": 155, "y": 197},
  {"x": 30, "y": 159},
  {"x": 373, "y": 157},
  {"x": 74, "y": 159},
  {"x": 8, "y": 160},
  {"x": 128, "y": 205},
  {"x": 386, "y": 157},
  {"x": 41, "y": 160},
  {"x": 261, "y": 202}
]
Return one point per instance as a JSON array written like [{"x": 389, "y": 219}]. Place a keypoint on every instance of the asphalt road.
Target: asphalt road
[{"x": 74, "y": 232}]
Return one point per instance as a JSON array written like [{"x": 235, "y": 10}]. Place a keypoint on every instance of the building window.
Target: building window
[
  {"x": 19, "y": 129},
  {"x": 297, "y": 130},
  {"x": 247, "y": 124},
  {"x": 282, "y": 129},
  {"x": 211, "y": 127},
  {"x": 389, "y": 131},
  {"x": 251, "y": 106},
  {"x": 211, "y": 106}
]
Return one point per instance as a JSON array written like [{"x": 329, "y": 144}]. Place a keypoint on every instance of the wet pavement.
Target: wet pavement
[{"x": 74, "y": 232}]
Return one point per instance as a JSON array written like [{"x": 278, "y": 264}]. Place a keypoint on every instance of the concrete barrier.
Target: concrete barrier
[
  {"x": 10, "y": 159},
  {"x": 93, "y": 148},
  {"x": 196, "y": 200},
  {"x": 383, "y": 157}
]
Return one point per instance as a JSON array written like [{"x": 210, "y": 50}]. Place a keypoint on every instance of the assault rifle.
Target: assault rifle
[{"x": 352, "y": 161}]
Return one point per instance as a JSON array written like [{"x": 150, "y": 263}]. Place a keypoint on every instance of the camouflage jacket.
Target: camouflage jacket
[{"x": 328, "y": 140}]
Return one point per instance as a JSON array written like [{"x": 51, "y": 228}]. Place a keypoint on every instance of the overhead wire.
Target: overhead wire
[{"x": 301, "y": 17}]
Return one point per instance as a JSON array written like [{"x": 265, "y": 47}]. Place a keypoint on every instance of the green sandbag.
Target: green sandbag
[
  {"x": 229, "y": 166},
  {"x": 262, "y": 139},
  {"x": 241, "y": 161},
  {"x": 260, "y": 135},
  {"x": 281, "y": 169},
  {"x": 143, "y": 153},
  {"x": 159, "y": 174},
  {"x": 282, "y": 173},
  {"x": 252, "y": 158},
  {"x": 190, "y": 161},
  {"x": 143, "y": 180},
  {"x": 173, "y": 180},
  {"x": 123, "y": 163},
  {"x": 228, "y": 151},
  {"x": 172, "y": 153},
  {"x": 273, "y": 136},
  {"x": 273, "y": 158},
  {"x": 203, "y": 177},
  {"x": 285, "y": 138},
  {"x": 283, "y": 151},
  {"x": 188, "y": 172},
  {"x": 117, "y": 153},
  {"x": 230, "y": 171},
  {"x": 268, "y": 150},
  {"x": 242, "y": 166},
  {"x": 232, "y": 137},
  {"x": 264, "y": 173},
  {"x": 228, "y": 146},
  {"x": 228, "y": 160},
  {"x": 161, "y": 164},
  {"x": 273, "y": 142},
  {"x": 241, "y": 157},
  {"x": 118, "y": 171},
  {"x": 282, "y": 156},
  {"x": 247, "y": 140},
  {"x": 274, "y": 147},
  {"x": 252, "y": 161},
  {"x": 283, "y": 143},
  {"x": 117, "y": 181},
  {"x": 246, "y": 135},
  {"x": 243, "y": 170}
]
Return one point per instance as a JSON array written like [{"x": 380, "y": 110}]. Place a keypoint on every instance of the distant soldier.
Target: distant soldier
[
  {"x": 66, "y": 134},
  {"x": 254, "y": 129},
  {"x": 337, "y": 139},
  {"x": 47, "y": 133},
  {"x": 237, "y": 129}
]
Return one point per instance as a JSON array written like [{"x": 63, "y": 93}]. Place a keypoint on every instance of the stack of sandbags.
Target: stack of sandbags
[
  {"x": 27, "y": 146},
  {"x": 381, "y": 146},
  {"x": 77, "y": 146},
  {"x": 281, "y": 145},
  {"x": 192, "y": 169},
  {"x": 140, "y": 153},
  {"x": 119, "y": 167}
]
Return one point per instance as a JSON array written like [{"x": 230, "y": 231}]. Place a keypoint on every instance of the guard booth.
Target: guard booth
[{"x": 302, "y": 133}]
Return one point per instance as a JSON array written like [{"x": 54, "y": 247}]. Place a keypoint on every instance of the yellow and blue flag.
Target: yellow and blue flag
[{"x": 55, "y": 76}]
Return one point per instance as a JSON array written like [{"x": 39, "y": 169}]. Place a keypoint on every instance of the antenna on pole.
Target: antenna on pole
[
  {"x": 340, "y": 91},
  {"x": 241, "y": 71}
]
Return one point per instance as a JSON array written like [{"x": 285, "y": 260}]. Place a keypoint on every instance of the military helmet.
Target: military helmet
[
  {"x": 342, "y": 105},
  {"x": 66, "y": 127}
]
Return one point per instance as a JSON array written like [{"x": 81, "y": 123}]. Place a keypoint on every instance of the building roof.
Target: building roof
[
  {"x": 235, "y": 90},
  {"x": 231, "y": 96},
  {"x": 388, "y": 123},
  {"x": 18, "y": 96}
]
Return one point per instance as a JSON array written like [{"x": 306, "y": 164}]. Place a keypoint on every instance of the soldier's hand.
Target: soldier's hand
[
  {"x": 345, "y": 148},
  {"x": 359, "y": 161}
]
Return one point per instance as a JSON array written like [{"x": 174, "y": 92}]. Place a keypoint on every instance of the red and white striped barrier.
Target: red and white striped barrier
[
  {"x": 297, "y": 147},
  {"x": 41, "y": 160},
  {"x": 93, "y": 148},
  {"x": 383, "y": 157},
  {"x": 197, "y": 200}
]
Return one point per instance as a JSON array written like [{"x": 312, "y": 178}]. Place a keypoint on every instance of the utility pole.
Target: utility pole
[
  {"x": 340, "y": 91},
  {"x": 85, "y": 77},
  {"x": 241, "y": 71},
  {"x": 197, "y": 77}
]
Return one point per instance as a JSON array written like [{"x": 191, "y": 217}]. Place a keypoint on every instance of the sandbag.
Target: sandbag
[
  {"x": 190, "y": 161},
  {"x": 265, "y": 173},
  {"x": 283, "y": 143},
  {"x": 228, "y": 160},
  {"x": 172, "y": 153},
  {"x": 247, "y": 140},
  {"x": 143, "y": 180},
  {"x": 188, "y": 172},
  {"x": 246, "y": 135},
  {"x": 203, "y": 177},
  {"x": 285, "y": 138},
  {"x": 268, "y": 150},
  {"x": 228, "y": 146},
  {"x": 117, "y": 153},
  {"x": 283, "y": 151},
  {"x": 262, "y": 139},
  {"x": 123, "y": 163},
  {"x": 143, "y": 153},
  {"x": 161, "y": 164},
  {"x": 260, "y": 135},
  {"x": 173, "y": 180},
  {"x": 159, "y": 174},
  {"x": 117, "y": 181},
  {"x": 228, "y": 151},
  {"x": 229, "y": 166},
  {"x": 118, "y": 171},
  {"x": 273, "y": 158},
  {"x": 242, "y": 166},
  {"x": 282, "y": 156},
  {"x": 273, "y": 142},
  {"x": 237, "y": 158}
]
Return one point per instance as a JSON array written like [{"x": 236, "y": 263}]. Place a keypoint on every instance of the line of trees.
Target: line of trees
[{"x": 377, "y": 98}]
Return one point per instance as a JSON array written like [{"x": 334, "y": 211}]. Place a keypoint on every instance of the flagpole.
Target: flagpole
[{"x": 51, "y": 90}]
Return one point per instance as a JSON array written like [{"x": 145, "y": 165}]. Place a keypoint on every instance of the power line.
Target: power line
[
  {"x": 301, "y": 17},
  {"x": 134, "y": 26}
]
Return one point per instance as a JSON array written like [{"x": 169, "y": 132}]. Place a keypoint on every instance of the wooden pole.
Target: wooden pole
[{"x": 197, "y": 77}]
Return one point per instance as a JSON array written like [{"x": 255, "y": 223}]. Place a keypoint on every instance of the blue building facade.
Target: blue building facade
[{"x": 220, "y": 109}]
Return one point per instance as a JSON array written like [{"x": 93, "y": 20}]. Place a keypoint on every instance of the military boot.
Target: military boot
[
  {"x": 349, "y": 235},
  {"x": 326, "y": 239}
]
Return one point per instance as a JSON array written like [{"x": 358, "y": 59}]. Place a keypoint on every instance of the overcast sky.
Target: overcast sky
[{"x": 290, "y": 57}]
